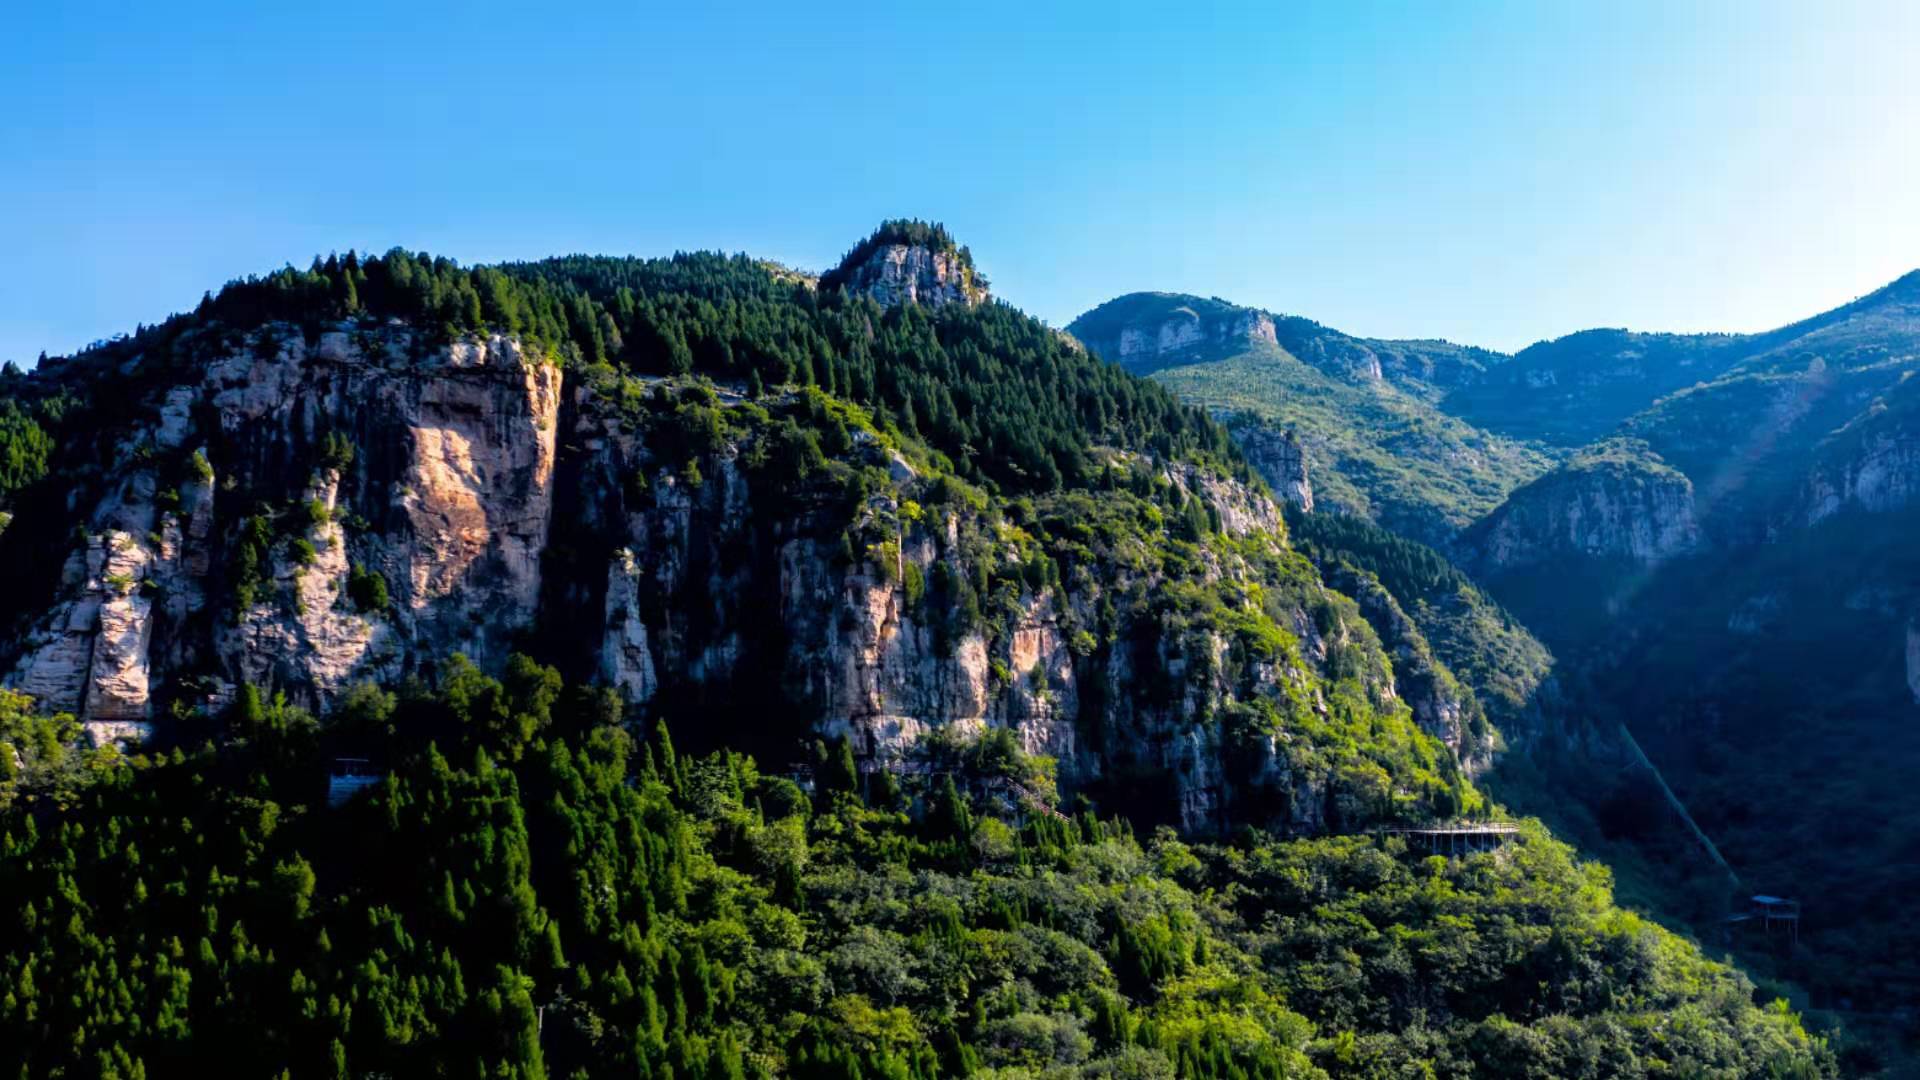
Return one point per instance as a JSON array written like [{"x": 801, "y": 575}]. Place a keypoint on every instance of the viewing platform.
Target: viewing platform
[
  {"x": 347, "y": 777},
  {"x": 1772, "y": 913},
  {"x": 1460, "y": 838}
]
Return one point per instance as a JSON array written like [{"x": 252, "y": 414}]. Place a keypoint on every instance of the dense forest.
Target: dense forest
[{"x": 527, "y": 891}]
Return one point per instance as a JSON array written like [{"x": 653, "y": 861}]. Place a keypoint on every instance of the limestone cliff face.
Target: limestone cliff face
[
  {"x": 1148, "y": 331},
  {"x": 725, "y": 596},
  {"x": 307, "y": 513},
  {"x": 1602, "y": 509},
  {"x": 901, "y": 273},
  {"x": 1185, "y": 331},
  {"x": 446, "y": 497},
  {"x": 1876, "y": 470},
  {"x": 1280, "y": 459}
]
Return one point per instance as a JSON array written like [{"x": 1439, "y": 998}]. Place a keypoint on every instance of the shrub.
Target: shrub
[{"x": 367, "y": 589}]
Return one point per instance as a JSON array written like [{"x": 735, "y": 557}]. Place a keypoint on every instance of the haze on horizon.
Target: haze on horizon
[{"x": 1493, "y": 175}]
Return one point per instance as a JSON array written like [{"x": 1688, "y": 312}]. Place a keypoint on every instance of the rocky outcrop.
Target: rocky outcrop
[
  {"x": 1876, "y": 471},
  {"x": 1279, "y": 458},
  {"x": 1184, "y": 332},
  {"x": 731, "y": 599},
  {"x": 304, "y": 634},
  {"x": 626, "y": 661},
  {"x": 1913, "y": 659},
  {"x": 897, "y": 274},
  {"x": 356, "y": 506},
  {"x": 446, "y": 498},
  {"x": 1605, "y": 509},
  {"x": 1147, "y": 331}
]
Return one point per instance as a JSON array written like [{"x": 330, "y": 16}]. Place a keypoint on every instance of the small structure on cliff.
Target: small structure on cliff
[
  {"x": 347, "y": 777},
  {"x": 1459, "y": 838},
  {"x": 1770, "y": 913}
]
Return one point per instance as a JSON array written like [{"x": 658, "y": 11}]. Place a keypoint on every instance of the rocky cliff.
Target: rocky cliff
[
  {"x": 1148, "y": 331},
  {"x": 894, "y": 274},
  {"x": 306, "y": 511},
  {"x": 1872, "y": 465},
  {"x": 919, "y": 612},
  {"x": 227, "y": 545},
  {"x": 1279, "y": 457},
  {"x": 1622, "y": 506}
]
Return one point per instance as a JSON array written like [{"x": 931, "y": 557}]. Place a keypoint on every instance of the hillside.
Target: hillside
[
  {"x": 1378, "y": 444},
  {"x": 1704, "y": 528},
  {"x": 1577, "y": 389},
  {"x": 1727, "y": 573},
  {"x": 445, "y": 542}
]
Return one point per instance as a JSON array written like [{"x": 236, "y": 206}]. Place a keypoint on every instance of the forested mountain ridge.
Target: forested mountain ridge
[
  {"x": 1369, "y": 413},
  {"x": 1729, "y": 571},
  {"x": 464, "y": 532},
  {"x": 1714, "y": 548},
  {"x": 1017, "y": 534},
  {"x": 1577, "y": 389},
  {"x": 1711, "y": 442}
]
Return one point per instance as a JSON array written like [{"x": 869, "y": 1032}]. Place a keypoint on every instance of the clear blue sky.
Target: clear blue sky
[{"x": 1490, "y": 173}]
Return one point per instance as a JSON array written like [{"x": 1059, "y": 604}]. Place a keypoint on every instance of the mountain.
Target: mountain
[
  {"x": 303, "y": 509},
  {"x": 1708, "y": 532},
  {"x": 1579, "y": 388},
  {"x": 1728, "y": 569},
  {"x": 1720, "y": 443},
  {"x": 1376, "y": 442},
  {"x": 341, "y": 613}
]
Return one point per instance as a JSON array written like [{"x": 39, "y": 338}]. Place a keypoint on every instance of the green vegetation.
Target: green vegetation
[
  {"x": 1000, "y": 394},
  {"x": 1767, "y": 689},
  {"x": 42, "y": 764},
  {"x": 913, "y": 233},
  {"x": 1142, "y": 577},
  {"x": 1474, "y": 637},
  {"x": 367, "y": 589},
  {"x": 1373, "y": 450},
  {"x": 529, "y": 892},
  {"x": 25, "y": 447},
  {"x": 1578, "y": 388},
  {"x": 1371, "y": 414}
]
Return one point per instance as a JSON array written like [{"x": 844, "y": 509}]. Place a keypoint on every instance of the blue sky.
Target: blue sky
[{"x": 1490, "y": 173}]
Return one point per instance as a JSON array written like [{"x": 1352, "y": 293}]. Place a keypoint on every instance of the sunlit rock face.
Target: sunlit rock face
[
  {"x": 502, "y": 505},
  {"x": 901, "y": 274},
  {"x": 447, "y": 497}
]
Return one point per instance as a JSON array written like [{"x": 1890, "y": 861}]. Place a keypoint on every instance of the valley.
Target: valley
[{"x": 1708, "y": 531}]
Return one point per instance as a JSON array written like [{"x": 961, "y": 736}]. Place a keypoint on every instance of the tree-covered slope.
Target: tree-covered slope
[
  {"x": 1365, "y": 410},
  {"x": 1509, "y": 670},
  {"x": 526, "y": 890},
  {"x": 1372, "y": 450},
  {"x": 1727, "y": 574}
]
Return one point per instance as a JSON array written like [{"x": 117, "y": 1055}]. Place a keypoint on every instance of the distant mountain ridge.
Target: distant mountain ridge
[
  {"x": 1146, "y": 331},
  {"x": 1712, "y": 532},
  {"x": 1365, "y": 410}
]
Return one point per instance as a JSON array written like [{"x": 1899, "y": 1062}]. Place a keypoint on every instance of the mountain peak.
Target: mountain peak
[
  {"x": 1146, "y": 331},
  {"x": 909, "y": 261}
]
